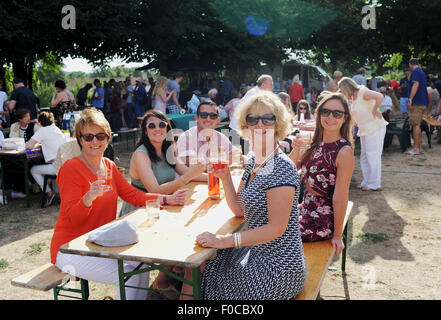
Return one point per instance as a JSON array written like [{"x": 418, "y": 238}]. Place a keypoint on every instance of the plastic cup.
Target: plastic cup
[
  {"x": 213, "y": 186},
  {"x": 152, "y": 208},
  {"x": 106, "y": 175},
  {"x": 306, "y": 137}
]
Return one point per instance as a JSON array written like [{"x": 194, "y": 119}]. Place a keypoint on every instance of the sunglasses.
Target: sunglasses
[
  {"x": 267, "y": 119},
  {"x": 89, "y": 137},
  {"x": 212, "y": 115},
  {"x": 336, "y": 113},
  {"x": 302, "y": 108},
  {"x": 161, "y": 125}
]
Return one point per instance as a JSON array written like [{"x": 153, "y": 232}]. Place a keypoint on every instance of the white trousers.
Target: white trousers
[
  {"x": 38, "y": 172},
  {"x": 370, "y": 159},
  {"x": 105, "y": 271}
]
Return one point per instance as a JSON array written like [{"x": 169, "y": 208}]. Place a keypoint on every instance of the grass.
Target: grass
[
  {"x": 35, "y": 248},
  {"x": 3, "y": 264},
  {"x": 372, "y": 237}
]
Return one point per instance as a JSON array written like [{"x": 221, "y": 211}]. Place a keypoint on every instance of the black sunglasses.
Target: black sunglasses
[
  {"x": 302, "y": 108},
  {"x": 267, "y": 119},
  {"x": 89, "y": 137},
  {"x": 161, "y": 125},
  {"x": 336, "y": 113},
  {"x": 212, "y": 115}
]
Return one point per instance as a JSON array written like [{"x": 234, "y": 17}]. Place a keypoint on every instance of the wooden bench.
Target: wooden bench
[
  {"x": 318, "y": 256},
  {"x": 49, "y": 277}
]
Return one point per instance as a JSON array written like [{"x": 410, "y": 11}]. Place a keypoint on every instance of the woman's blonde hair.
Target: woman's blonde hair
[
  {"x": 349, "y": 84},
  {"x": 338, "y": 74},
  {"x": 91, "y": 116},
  {"x": 160, "y": 83},
  {"x": 258, "y": 102}
]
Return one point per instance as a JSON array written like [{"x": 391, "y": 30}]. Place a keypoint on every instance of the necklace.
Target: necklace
[{"x": 256, "y": 170}]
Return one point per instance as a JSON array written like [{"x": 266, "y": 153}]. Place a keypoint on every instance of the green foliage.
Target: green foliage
[
  {"x": 35, "y": 248},
  {"x": 372, "y": 237},
  {"x": 3, "y": 264},
  {"x": 44, "y": 92}
]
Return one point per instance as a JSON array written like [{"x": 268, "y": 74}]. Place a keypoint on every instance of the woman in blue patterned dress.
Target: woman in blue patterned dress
[
  {"x": 327, "y": 168},
  {"x": 266, "y": 261}
]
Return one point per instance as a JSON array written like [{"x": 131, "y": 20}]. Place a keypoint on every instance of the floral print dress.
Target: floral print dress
[{"x": 319, "y": 172}]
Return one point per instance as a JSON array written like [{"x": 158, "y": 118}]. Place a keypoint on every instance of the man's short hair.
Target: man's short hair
[
  {"x": 262, "y": 79},
  {"x": 413, "y": 61},
  {"x": 207, "y": 102},
  {"x": 17, "y": 80},
  {"x": 179, "y": 74},
  {"x": 362, "y": 71},
  {"x": 96, "y": 81}
]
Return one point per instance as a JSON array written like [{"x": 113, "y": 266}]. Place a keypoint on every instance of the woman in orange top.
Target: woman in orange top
[
  {"x": 296, "y": 92},
  {"x": 87, "y": 203}
]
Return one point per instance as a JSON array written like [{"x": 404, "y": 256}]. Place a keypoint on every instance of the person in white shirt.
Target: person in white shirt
[
  {"x": 387, "y": 104},
  {"x": 50, "y": 137},
  {"x": 3, "y": 99}
]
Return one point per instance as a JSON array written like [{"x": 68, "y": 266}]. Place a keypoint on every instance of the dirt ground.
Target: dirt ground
[{"x": 393, "y": 239}]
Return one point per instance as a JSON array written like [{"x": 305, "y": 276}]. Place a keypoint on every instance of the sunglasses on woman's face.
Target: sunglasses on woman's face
[
  {"x": 267, "y": 119},
  {"x": 212, "y": 115},
  {"x": 336, "y": 113},
  {"x": 89, "y": 137},
  {"x": 161, "y": 125},
  {"x": 302, "y": 108}
]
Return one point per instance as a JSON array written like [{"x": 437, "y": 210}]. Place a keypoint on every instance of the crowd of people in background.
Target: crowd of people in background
[{"x": 126, "y": 101}]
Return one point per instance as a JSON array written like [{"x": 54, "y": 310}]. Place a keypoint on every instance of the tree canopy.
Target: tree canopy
[{"x": 232, "y": 35}]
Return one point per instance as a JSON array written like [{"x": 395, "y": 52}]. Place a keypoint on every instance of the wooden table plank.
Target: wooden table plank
[{"x": 171, "y": 239}]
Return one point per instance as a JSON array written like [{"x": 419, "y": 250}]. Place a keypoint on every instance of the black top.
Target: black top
[{"x": 26, "y": 99}]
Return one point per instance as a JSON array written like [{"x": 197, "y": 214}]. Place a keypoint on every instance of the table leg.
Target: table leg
[
  {"x": 2, "y": 168},
  {"x": 196, "y": 277},
  {"x": 343, "y": 257},
  {"x": 122, "y": 288},
  {"x": 28, "y": 200}
]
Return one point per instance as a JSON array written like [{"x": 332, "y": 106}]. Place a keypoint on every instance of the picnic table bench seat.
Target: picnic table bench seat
[
  {"x": 318, "y": 256},
  {"x": 49, "y": 277}
]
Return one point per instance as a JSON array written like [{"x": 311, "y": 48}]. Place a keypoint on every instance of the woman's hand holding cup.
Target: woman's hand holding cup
[
  {"x": 97, "y": 189},
  {"x": 297, "y": 143}
]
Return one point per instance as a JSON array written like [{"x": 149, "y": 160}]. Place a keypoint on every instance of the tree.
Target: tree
[{"x": 30, "y": 29}]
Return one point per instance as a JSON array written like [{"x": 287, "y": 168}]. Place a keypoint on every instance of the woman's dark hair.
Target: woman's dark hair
[
  {"x": 304, "y": 103},
  {"x": 144, "y": 139},
  {"x": 20, "y": 113},
  {"x": 345, "y": 130},
  {"x": 60, "y": 84},
  {"x": 46, "y": 118}
]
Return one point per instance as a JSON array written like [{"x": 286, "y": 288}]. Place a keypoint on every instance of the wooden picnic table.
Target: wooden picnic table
[{"x": 170, "y": 241}]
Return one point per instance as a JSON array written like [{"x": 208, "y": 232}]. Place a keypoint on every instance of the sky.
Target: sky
[{"x": 82, "y": 65}]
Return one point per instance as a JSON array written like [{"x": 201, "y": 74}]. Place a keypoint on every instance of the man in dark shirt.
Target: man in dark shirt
[
  {"x": 82, "y": 96},
  {"x": 22, "y": 97},
  {"x": 417, "y": 105},
  {"x": 404, "y": 93}
]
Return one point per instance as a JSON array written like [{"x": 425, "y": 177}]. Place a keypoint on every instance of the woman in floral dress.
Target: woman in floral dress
[{"x": 326, "y": 170}]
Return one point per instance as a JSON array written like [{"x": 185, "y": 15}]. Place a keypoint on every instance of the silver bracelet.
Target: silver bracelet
[{"x": 237, "y": 240}]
